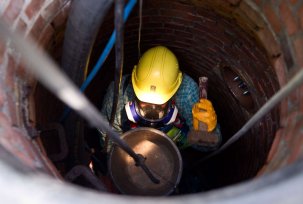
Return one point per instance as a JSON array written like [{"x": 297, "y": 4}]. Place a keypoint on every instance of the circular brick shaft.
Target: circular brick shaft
[{"x": 260, "y": 41}]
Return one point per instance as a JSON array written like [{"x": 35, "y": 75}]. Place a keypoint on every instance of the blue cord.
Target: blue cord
[{"x": 128, "y": 8}]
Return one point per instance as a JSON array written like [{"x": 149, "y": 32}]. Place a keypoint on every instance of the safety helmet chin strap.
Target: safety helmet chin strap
[{"x": 135, "y": 117}]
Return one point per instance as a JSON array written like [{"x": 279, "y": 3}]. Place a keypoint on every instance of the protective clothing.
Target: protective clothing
[
  {"x": 186, "y": 96},
  {"x": 150, "y": 116},
  {"x": 150, "y": 97},
  {"x": 157, "y": 77},
  {"x": 177, "y": 132},
  {"x": 204, "y": 113},
  {"x": 152, "y": 111}
]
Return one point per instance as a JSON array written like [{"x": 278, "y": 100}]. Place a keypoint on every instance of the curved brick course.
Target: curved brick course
[{"x": 260, "y": 40}]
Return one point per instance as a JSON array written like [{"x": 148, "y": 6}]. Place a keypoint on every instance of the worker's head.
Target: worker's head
[
  {"x": 157, "y": 77},
  {"x": 155, "y": 80}
]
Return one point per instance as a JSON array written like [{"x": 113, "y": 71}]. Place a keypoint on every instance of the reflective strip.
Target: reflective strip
[
  {"x": 174, "y": 116},
  {"x": 129, "y": 112}
]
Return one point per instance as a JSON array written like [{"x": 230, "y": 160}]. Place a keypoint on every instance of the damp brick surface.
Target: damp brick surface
[{"x": 261, "y": 40}]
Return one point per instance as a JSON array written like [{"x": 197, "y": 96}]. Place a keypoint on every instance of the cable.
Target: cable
[
  {"x": 119, "y": 54},
  {"x": 140, "y": 28},
  {"x": 295, "y": 82},
  {"x": 128, "y": 8},
  {"x": 49, "y": 74}
]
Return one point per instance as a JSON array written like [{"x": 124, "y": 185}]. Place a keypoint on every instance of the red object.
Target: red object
[{"x": 203, "y": 87}]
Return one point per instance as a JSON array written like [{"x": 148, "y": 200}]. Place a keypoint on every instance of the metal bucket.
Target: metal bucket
[{"x": 162, "y": 158}]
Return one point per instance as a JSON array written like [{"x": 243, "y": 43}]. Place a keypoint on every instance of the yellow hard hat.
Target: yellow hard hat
[{"x": 157, "y": 77}]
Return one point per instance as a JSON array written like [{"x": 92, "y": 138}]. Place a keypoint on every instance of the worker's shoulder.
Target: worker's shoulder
[
  {"x": 188, "y": 88},
  {"x": 188, "y": 82}
]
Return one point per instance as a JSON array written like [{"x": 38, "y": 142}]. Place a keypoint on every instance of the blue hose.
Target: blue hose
[{"x": 128, "y": 8}]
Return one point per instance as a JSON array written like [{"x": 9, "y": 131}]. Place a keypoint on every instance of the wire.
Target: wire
[
  {"x": 128, "y": 8},
  {"x": 140, "y": 28},
  {"x": 119, "y": 58},
  {"x": 49, "y": 74},
  {"x": 295, "y": 82}
]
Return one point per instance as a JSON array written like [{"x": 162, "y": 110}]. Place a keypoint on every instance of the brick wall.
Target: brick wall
[
  {"x": 285, "y": 19},
  {"x": 44, "y": 21},
  {"x": 260, "y": 40}
]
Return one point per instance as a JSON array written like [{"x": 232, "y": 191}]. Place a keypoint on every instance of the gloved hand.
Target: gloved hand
[
  {"x": 204, "y": 116},
  {"x": 203, "y": 140}
]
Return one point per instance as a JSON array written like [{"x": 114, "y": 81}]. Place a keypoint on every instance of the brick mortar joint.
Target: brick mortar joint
[
  {"x": 31, "y": 22},
  {"x": 275, "y": 7},
  {"x": 297, "y": 35},
  {"x": 294, "y": 8},
  {"x": 265, "y": 32}
]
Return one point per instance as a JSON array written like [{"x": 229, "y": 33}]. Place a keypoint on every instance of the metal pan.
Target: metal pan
[{"x": 162, "y": 158}]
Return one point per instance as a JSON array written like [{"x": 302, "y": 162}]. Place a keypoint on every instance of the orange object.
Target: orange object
[{"x": 204, "y": 115}]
